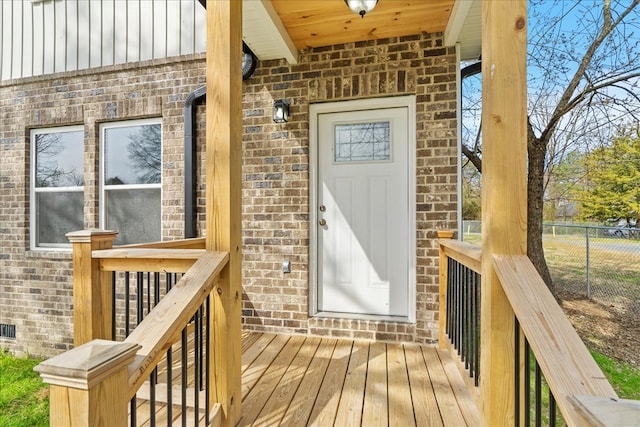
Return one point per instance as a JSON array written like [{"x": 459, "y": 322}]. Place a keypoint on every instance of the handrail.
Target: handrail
[
  {"x": 147, "y": 259},
  {"x": 565, "y": 361},
  {"x": 463, "y": 252},
  {"x": 157, "y": 331},
  {"x": 197, "y": 243}
]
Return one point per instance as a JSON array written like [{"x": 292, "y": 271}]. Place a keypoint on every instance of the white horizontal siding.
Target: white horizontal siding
[{"x": 48, "y": 36}]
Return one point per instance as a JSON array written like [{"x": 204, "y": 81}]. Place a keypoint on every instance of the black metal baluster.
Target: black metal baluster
[
  {"x": 449, "y": 295},
  {"x": 140, "y": 296},
  {"x": 127, "y": 309},
  {"x": 152, "y": 396},
  {"x": 156, "y": 288},
  {"x": 113, "y": 306},
  {"x": 459, "y": 310},
  {"x": 184, "y": 377},
  {"x": 148, "y": 292},
  {"x": 201, "y": 344},
  {"x": 134, "y": 413},
  {"x": 456, "y": 308},
  {"x": 197, "y": 336},
  {"x": 527, "y": 383},
  {"x": 478, "y": 326},
  {"x": 474, "y": 344},
  {"x": 538, "y": 394},
  {"x": 169, "y": 386},
  {"x": 552, "y": 410},
  {"x": 467, "y": 315},
  {"x": 517, "y": 372},
  {"x": 207, "y": 346}
]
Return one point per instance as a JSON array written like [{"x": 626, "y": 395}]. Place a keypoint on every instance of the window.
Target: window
[
  {"x": 57, "y": 185},
  {"x": 362, "y": 142},
  {"x": 131, "y": 180}
]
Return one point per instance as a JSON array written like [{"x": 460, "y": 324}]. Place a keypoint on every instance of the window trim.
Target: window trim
[
  {"x": 34, "y": 245},
  {"x": 103, "y": 188}
]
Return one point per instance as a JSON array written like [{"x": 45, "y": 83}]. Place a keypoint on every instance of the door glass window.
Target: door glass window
[{"x": 362, "y": 142}]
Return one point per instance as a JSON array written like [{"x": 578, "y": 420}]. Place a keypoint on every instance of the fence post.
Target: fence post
[
  {"x": 88, "y": 384},
  {"x": 92, "y": 298},
  {"x": 588, "y": 263},
  {"x": 444, "y": 277}
]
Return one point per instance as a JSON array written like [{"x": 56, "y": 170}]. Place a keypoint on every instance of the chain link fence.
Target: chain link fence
[{"x": 600, "y": 263}]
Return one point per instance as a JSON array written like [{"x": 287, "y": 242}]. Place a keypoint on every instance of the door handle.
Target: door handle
[{"x": 322, "y": 222}]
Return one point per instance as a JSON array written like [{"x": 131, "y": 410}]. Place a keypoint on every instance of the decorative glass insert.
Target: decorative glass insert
[
  {"x": 362, "y": 142},
  {"x": 57, "y": 186},
  {"x": 131, "y": 201}
]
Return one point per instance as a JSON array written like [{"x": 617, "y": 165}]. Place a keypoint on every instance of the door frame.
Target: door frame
[{"x": 315, "y": 110}]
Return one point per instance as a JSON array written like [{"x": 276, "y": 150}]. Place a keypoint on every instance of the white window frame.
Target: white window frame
[
  {"x": 33, "y": 190},
  {"x": 104, "y": 188}
]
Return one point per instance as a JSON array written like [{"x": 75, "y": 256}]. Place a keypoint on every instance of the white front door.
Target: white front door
[{"x": 362, "y": 219}]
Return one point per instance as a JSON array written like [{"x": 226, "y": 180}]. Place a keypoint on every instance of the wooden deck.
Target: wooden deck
[{"x": 294, "y": 380}]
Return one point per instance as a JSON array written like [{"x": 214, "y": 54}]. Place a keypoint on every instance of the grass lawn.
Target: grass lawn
[
  {"x": 624, "y": 378},
  {"x": 23, "y": 396}
]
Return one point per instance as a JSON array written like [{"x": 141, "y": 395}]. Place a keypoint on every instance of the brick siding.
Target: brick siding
[
  {"x": 276, "y": 175},
  {"x": 35, "y": 286}
]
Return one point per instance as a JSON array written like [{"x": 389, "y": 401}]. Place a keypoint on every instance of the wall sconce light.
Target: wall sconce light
[
  {"x": 361, "y": 7},
  {"x": 281, "y": 111}
]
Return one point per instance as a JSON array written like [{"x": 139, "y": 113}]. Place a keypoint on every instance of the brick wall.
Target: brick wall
[
  {"x": 36, "y": 286},
  {"x": 276, "y": 175}
]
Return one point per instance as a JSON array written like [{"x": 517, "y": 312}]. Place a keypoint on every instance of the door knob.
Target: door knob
[{"x": 322, "y": 222}]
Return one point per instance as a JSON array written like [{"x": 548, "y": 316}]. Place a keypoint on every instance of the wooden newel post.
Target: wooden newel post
[
  {"x": 504, "y": 195},
  {"x": 92, "y": 299},
  {"x": 88, "y": 384},
  {"x": 442, "y": 301}
]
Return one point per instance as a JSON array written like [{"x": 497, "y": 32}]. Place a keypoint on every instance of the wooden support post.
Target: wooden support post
[
  {"x": 89, "y": 384},
  {"x": 442, "y": 302},
  {"x": 504, "y": 194},
  {"x": 92, "y": 298},
  {"x": 224, "y": 197}
]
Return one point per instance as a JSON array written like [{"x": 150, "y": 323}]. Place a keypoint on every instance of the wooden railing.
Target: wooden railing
[
  {"x": 546, "y": 350},
  {"x": 101, "y": 381}
]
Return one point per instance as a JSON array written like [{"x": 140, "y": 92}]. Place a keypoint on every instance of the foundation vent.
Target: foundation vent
[{"x": 7, "y": 331}]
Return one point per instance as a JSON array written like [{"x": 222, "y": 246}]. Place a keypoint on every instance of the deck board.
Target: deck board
[
  {"x": 425, "y": 406},
  {"x": 311, "y": 381},
  {"x": 447, "y": 403},
  {"x": 352, "y": 397},
  {"x": 301, "y": 405},
  {"x": 375, "y": 411},
  {"x": 294, "y": 380}
]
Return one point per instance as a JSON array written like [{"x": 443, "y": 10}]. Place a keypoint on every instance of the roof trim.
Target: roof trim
[
  {"x": 456, "y": 22},
  {"x": 263, "y": 14}
]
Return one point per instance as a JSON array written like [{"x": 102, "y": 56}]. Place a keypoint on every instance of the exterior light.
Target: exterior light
[
  {"x": 281, "y": 111},
  {"x": 361, "y": 7}
]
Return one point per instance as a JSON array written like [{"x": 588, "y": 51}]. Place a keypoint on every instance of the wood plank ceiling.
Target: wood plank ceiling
[{"x": 315, "y": 23}]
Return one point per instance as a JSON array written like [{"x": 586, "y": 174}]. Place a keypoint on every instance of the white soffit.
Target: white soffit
[
  {"x": 465, "y": 28},
  {"x": 264, "y": 32}
]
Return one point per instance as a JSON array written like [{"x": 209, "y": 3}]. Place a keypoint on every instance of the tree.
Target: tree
[
  {"x": 471, "y": 208},
  {"x": 584, "y": 72},
  {"x": 145, "y": 153},
  {"x": 611, "y": 187}
]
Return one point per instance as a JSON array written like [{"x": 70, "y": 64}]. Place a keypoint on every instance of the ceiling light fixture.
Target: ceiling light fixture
[{"x": 361, "y": 7}]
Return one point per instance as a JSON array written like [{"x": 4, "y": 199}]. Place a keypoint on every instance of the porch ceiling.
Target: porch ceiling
[{"x": 279, "y": 28}]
